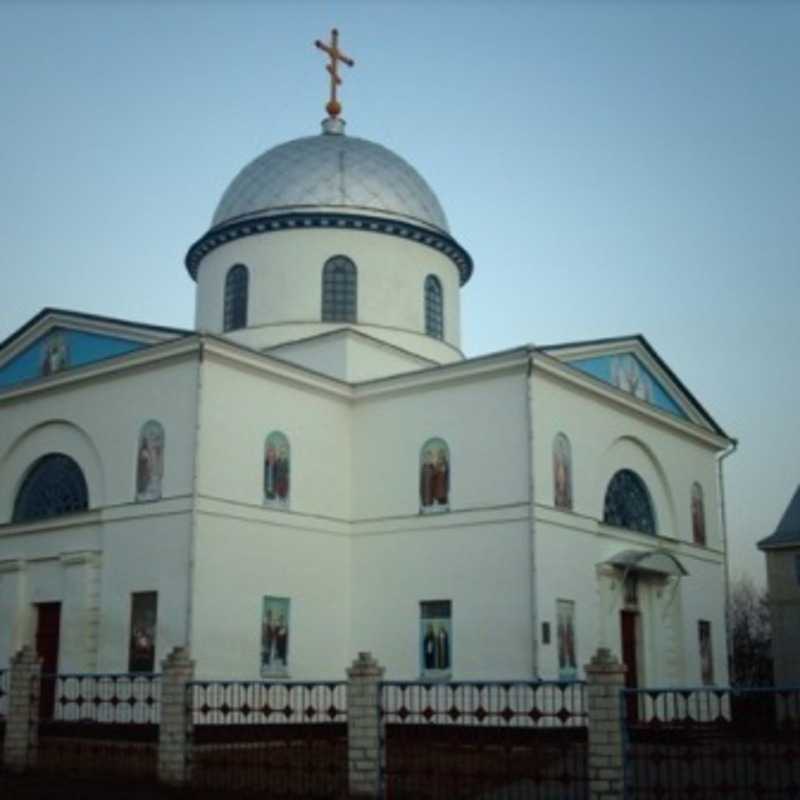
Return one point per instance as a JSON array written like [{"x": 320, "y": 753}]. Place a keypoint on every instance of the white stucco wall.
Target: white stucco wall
[{"x": 285, "y": 288}]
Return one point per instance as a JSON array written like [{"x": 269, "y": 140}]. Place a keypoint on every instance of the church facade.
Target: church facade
[{"x": 317, "y": 469}]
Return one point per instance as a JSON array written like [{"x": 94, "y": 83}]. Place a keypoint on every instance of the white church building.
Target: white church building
[{"x": 317, "y": 469}]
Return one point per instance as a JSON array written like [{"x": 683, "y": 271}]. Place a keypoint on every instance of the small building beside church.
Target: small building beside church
[
  {"x": 318, "y": 469},
  {"x": 782, "y": 551}
]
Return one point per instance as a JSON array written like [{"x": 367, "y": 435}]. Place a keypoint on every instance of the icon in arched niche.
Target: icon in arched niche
[
  {"x": 628, "y": 375},
  {"x": 698, "y": 515},
  {"x": 150, "y": 461},
  {"x": 276, "y": 469},
  {"x": 562, "y": 472},
  {"x": 434, "y": 476},
  {"x": 55, "y": 353}
]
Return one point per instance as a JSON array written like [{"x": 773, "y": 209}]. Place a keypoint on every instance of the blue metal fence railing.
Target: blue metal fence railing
[
  {"x": 520, "y": 739},
  {"x": 282, "y": 738},
  {"x": 711, "y": 742}
]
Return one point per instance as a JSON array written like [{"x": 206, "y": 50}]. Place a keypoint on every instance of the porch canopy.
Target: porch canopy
[{"x": 656, "y": 562}]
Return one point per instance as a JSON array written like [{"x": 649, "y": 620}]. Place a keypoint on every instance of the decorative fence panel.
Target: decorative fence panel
[
  {"x": 712, "y": 743},
  {"x": 4, "y": 680},
  {"x": 283, "y": 739},
  {"x": 484, "y": 740},
  {"x": 98, "y": 725}
]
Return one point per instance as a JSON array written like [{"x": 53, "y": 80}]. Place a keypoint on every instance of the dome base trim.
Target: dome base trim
[{"x": 299, "y": 220}]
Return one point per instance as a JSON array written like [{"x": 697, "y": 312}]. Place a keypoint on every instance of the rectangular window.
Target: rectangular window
[
  {"x": 565, "y": 621},
  {"x": 275, "y": 637},
  {"x": 797, "y": 567},
  {"x": 142, "y": 648},
  {"x": 435, "y": 638},
  {"x": 706, "y": 652}
]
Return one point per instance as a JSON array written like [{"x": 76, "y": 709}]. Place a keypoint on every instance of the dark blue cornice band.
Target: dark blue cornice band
[{"x": 300, "y": 220}]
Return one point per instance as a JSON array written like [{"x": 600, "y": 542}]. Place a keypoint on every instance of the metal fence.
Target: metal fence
[
  {"x": 98, "y": 725},
  {"x": 520, "y": 740},
  {"x": 4, "y": 680},
  {"x": 712, "y": 743},
  {"x": 284, "y": 739}
]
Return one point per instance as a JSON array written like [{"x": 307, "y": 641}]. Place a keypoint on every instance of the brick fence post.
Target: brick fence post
[
  {"x": 22, "y": 721},
  {"x": 173, "y": 731},
  {"x": 364, "y": 726},
  {"x": 605, "y": 678}
]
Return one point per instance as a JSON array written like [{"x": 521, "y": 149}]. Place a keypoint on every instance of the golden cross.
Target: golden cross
[{"x": 334, "y": 107}]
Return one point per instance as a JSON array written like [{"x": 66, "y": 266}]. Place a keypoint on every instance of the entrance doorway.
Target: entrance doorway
[
  {"x": 48, "y": 629},
  {"x": 629, "y": 624}
]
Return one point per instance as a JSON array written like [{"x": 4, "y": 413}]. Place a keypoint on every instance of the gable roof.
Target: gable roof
[
  {"x": 590, "y": 347},
  {"x": 788, "y": 530}
]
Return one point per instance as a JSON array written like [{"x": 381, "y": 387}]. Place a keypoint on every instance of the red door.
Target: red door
[
  {"x": 629, "y": 621},
  {"x": 48, "y": 626}
]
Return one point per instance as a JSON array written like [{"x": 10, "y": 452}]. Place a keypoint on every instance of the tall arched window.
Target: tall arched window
[
  {"x": 434, "y": 476},
  {"x": 235, "y": 298},
  {"x": 627, "y": 503},
  {"x": 434, "y": 310},
  {"x": 54, "y": 485},
  {"x": 562, "y": 472},
  {"x": 339, "y": 290}
]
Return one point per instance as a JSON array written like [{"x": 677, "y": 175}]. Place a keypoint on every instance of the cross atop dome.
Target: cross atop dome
[{"x": 334, "y": 107}]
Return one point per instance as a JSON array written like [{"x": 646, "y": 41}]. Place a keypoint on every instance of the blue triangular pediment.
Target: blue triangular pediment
[
  {"x": 60, "y": 349},
  {"x": 625, "y": 371}
]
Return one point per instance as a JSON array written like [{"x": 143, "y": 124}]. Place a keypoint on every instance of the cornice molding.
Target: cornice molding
[{"x": 320, "y": 220}]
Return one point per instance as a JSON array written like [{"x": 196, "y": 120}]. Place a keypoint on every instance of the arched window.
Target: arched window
[
  {"x": 434, "y": 312},
  {"x": 627, "y": 503},
  {"x": 150, "y": 461},
  {"x": 236, "y": 298},
  {"x": 339, "y": 290},
  {"x": 698, "y": 515},
  {"x": 277, "y": 463},
  {"x": 54, "y": 485},
  {"x": 562, "y": 472},
  {"x": 434, "y": 476}
]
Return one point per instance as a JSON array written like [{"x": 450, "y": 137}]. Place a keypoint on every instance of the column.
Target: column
[
  {"x": 364, "y": 726},
  {"x": 605, "y": 678}
]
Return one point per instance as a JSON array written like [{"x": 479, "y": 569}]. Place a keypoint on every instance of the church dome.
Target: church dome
[{"x": 331, "y": 171}]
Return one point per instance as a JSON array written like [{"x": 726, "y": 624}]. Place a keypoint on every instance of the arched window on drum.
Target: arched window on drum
[
  {"x": 236, "y": 285},
  {"x": 434, "y": 307},
  {"x": 54, "y": 485},
  {"x": 627, "y": 503},
  {"x": 434, "y": 476},
  {"x": 339, "y": 290}
]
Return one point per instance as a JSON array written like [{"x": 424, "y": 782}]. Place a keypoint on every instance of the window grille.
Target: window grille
[
  {"x": 339, "y": 290},
  {"x": 434, "y": 311},
  {"x": 236, "y": 298},
  {"x": 627, "y": 503},
  {"x": 54, "y": 485}
]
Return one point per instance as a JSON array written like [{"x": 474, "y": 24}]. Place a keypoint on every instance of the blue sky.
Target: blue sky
[{"x": 613, "y": 168}]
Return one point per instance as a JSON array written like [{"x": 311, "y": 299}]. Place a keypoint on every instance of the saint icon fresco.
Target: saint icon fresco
[
  {"x": 627, "y": 374},
  {"x": 435, "y": 636},
  {"x": 562, "y": 472},
  {"x": 434, "y": 477},
  {"x": 150, "y": 462},
  {"x": 276, "y": 469},
  {"x": 565, "y": 621},
  {"x": 698, "y": 515},
  {"x": 55, "y": 353},
  {"x": 275, "y": 636}
]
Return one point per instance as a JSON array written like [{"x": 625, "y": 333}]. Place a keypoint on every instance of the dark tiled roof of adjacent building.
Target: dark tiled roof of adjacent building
[{"x": 788, "y": 530}]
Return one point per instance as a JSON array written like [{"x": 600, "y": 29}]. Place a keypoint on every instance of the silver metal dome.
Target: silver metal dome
[{"x": 333, "y": 171}]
